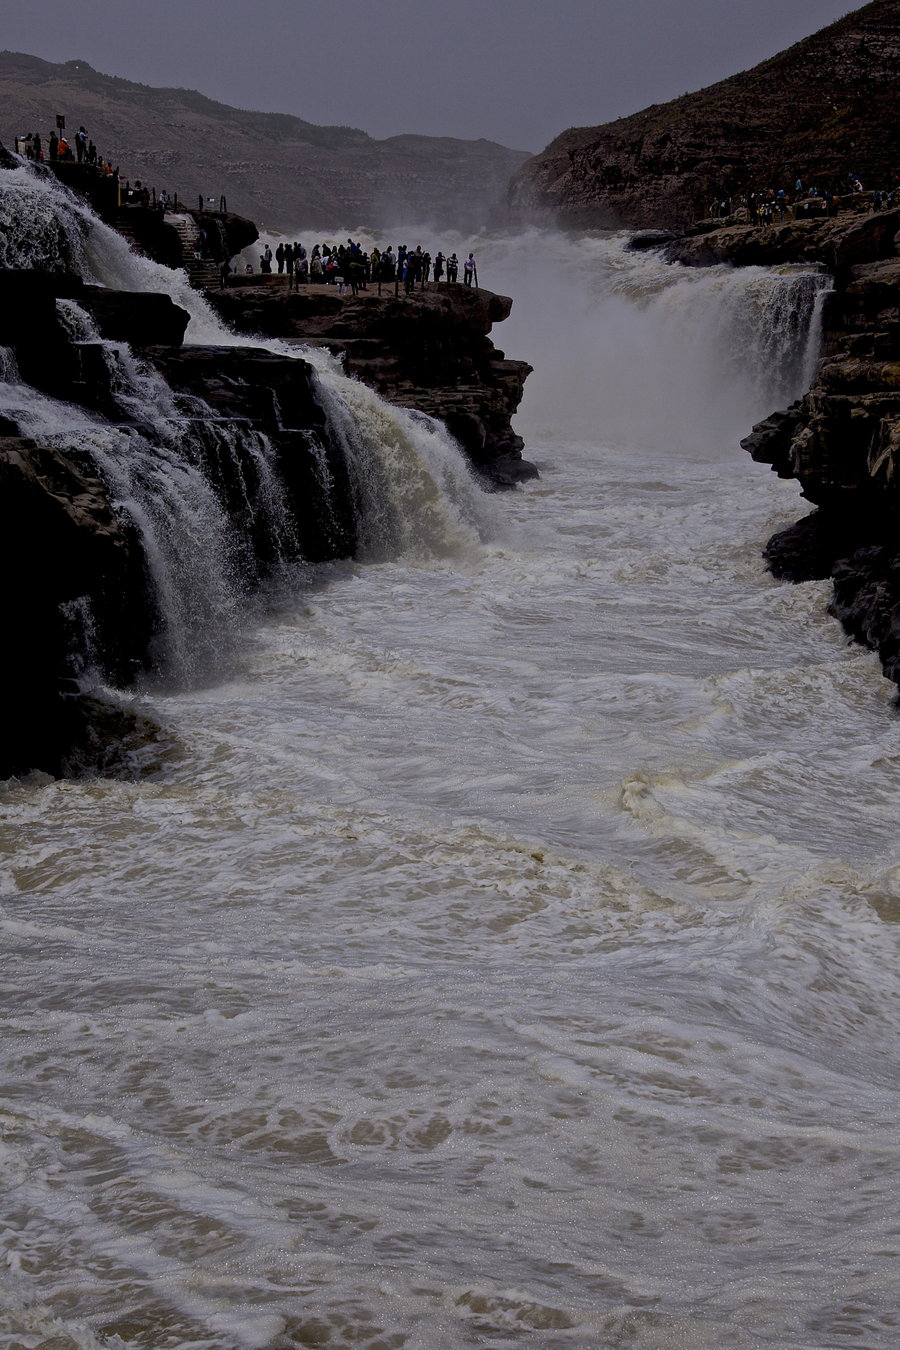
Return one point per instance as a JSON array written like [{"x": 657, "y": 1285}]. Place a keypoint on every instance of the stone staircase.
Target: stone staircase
[{"x": 203, "y": 273}]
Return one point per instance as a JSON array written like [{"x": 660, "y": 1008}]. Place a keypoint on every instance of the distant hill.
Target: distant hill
[
  {"x": 821, "y": 109},
  {"x": 277, "y": 169}
]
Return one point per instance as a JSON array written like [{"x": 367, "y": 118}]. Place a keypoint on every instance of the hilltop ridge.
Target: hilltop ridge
[
  {"x": 821, "y": 109},
  {"x": 280, "y": 170}
]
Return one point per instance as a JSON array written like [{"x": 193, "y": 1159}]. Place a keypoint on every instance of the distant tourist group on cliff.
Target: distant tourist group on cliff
[
  {"x": 57, "y": 148},
  {"x": 350, "y": 267},
  {"x": 771, "y": 205},
  {"x": 81, "y": 149}
]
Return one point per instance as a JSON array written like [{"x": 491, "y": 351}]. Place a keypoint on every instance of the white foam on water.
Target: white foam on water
[{"x": 510, "y": 958}]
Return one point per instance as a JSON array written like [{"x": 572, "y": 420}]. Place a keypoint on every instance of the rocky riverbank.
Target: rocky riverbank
[
  {"x": 853, "y": 236},
  {"x": 69, "y": 550},
  {"x": 841, "y": 441}
]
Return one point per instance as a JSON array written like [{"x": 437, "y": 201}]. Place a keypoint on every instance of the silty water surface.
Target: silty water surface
[{"x": 510, "y": 955}]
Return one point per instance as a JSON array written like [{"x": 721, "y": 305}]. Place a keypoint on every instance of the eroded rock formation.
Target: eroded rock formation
[
  {"x": 61, "y": 541},
  {"x": 428, "y": 350},
  {"x": 854, "y": 235},
  {"x": 65, "y": 544},
  {"x": 243, "y": 417}
]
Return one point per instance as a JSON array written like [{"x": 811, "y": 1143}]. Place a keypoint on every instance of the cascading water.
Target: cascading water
[
  {"x": 666, "y": 355},
  {"x": 42, "y": 225},
  {"x": 200, "y": 554},
  {"x": 200, "y": 564},
  {"x": 623, "y": 343},
  {"x": 411, "y": 484},
  {"x": 511, "y": 957}
]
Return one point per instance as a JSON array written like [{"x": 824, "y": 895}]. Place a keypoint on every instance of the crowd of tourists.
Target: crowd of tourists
[
  {"x": 58, "y": 148},
  {"x": 351, "y": 268},
  {"x": 770, "y": 205}
]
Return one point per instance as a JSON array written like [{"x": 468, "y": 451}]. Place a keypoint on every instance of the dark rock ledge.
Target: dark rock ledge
[{"x": 63, "y": 544}]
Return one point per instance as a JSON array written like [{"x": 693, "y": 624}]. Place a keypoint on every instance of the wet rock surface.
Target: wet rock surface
[
  {"x": 275, "y": 395},
  {"x": 61, "y": 541},
  {"x": 32, "y": 325},
  {"x": 66, "y": 546},
  {"x": 855, "y": 235},
  {"x": 74, "y": 560}
]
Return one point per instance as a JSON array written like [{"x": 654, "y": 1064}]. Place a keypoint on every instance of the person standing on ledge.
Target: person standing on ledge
[
  {"x": 469, "y": 270},
  {"x": 452, "y": 267}
]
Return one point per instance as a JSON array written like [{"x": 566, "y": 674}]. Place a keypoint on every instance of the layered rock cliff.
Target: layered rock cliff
[
  {"x": 69, "y": 551},
  {"x": 854, "y": 234},
  {"x": 822, "y": 109}
]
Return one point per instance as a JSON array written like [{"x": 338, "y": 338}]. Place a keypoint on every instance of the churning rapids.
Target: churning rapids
[{"x": 509, "y": 955}]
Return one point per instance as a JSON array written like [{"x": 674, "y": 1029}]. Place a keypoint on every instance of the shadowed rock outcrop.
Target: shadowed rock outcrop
[
  {"x": 30, "y": 319},
  {"x": 75, "y": 565},
  {"x": 61, "y": 544},
  {"x": 854, "y": 235},
  {"x": 275, "y": 395},
  {"x": 81, "y": 591}
]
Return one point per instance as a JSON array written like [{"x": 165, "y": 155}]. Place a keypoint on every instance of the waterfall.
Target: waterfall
[
  {"x": 627, "y": 350},
  {"x": 175, "y": 471},
  {"x": 200, "y": 564},
  {"x": 631, "y": 350},
  {"x": 9, "y": 372},
  {"x": 414, "y": 491},
  {"x": 45, "y": 226}
]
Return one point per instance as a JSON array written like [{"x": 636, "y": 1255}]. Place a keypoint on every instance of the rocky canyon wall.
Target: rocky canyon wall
[{"x": 821, "y": 110}]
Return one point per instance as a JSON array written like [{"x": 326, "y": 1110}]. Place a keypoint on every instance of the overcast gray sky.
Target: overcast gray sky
[{"x": 515, "y": 71}]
